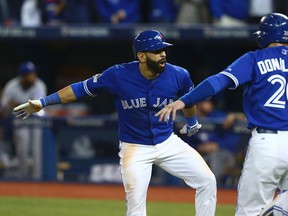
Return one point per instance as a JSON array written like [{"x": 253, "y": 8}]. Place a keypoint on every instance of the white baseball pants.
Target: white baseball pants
[
  {"x": 177, "y": 158},
  {"x": 265, "y": 169}
]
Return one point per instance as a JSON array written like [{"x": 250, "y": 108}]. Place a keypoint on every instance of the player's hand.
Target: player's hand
[
  {"x": 26, "y": 109},
  {"x": 172, "y": 108},
  {"x": 190, "y": 130}
]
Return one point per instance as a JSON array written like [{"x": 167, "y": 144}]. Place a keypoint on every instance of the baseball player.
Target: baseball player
[
  {"x": 17, "y": 91},
  {"x": 141, "y": 88},
  {"x": 264, "y": 76}
]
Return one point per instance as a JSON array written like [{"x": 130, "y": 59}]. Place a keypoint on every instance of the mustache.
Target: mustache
[{"x": 162, "y": 60}]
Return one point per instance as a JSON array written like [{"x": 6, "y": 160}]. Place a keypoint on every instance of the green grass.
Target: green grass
[{"x": 23, "y": 206}]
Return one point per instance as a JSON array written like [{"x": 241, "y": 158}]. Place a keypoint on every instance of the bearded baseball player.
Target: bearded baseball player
[
  {"x": 141, "y": 88},
  {"x": 264, "y": 76}
]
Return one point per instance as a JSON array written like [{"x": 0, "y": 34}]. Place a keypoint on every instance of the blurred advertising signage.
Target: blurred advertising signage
[
  {"x": 168, "y": 31},
  {"x": 17, "y": 32},
  {"x": 238, "y": 33},
  {"x": 92, "y": 31}
]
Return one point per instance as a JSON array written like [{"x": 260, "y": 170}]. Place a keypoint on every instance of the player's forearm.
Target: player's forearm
[
  {"x": 64, "y": 95},
  {"x": 209, "y": 87},
  {"x": 201, "y": 92},
  {"x": 67, "y": 95},
  {"x": 190, "y": 114}
]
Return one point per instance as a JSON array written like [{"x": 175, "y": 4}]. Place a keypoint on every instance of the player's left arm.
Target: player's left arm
[{"x": 192, "y": 126}]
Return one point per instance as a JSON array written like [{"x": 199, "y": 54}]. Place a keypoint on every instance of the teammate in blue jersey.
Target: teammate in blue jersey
[
  {"x": 142, "y": 88},
  {"x": 264, "y": 74}
]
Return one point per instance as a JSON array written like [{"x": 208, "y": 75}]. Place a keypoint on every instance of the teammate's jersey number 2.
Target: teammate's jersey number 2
[{"x": 275, "y": 99}]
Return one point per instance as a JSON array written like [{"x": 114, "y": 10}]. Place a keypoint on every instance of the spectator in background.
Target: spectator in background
[
  {"x": 118, "y": 11},
  {"x": 16, "y": 91},
  {"x": 31, "y": 15},
  {"x": 162, "y": 11},
  {"x": 4, "y": 10},
  {"x": 53, "y": 11},
  {"x": 78, "y": 11},
  {"x": 259, "y": 8},
  {"x": 193, "y": 12},
  {"x": 229, "y": 13},
  {"x": 218, "y": 147},
  {"x": 10, "y": 12}
]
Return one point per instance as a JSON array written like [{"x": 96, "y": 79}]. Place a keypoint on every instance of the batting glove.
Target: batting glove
[
  {"x": 26, "y": 109},
  {"x": 190, "y": 130}
]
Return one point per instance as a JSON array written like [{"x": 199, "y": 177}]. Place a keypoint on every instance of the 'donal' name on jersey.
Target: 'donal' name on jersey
[{"x": 270, "y": 65}]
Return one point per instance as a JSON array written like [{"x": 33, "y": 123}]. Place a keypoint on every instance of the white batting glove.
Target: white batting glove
[
  {"x": 26, "y": 109},
  {"x": 190, "y": 130}
]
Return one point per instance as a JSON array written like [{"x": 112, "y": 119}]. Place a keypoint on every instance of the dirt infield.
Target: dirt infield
[{"x": 96, "y": 191}]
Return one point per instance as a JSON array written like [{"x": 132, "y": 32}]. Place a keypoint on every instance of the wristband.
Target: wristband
[
  {"x": 191, "y": 121},
  {"x": 50, "y": 99}
]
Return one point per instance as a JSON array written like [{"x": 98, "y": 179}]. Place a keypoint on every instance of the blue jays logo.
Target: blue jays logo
[
  {"x": 284, "y": 51},
  {"x": 159, "y": 37}
]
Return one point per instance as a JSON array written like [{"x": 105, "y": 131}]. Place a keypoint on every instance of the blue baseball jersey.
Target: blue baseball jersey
[
  {"x": 137, "y": 99},
  {"x": 264, "y": 74}
]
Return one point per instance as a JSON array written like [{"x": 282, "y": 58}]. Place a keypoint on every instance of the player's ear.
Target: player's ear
[{"x": 141, "y": 56}]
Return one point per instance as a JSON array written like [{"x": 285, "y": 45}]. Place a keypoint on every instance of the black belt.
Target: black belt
[{"x": 262, "y": 130}]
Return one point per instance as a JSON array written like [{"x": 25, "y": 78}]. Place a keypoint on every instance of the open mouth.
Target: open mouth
[{"x": 162, "y": 63}]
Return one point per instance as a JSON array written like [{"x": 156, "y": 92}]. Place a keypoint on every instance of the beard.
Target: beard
[{"x": 156, "y": 66}]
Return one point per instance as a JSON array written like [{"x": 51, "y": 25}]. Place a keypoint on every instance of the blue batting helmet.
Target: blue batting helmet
[
  {"x": 149, "y": 40},
  {"x": 273, "y": 27}
]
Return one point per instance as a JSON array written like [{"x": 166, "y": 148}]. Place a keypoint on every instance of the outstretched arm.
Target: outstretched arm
[
  {"x": 209, "y": 87},
  {"x": 64, "y": 95}
]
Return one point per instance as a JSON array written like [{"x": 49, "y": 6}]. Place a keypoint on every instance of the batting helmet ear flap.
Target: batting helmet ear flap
[{"x": 259, "y": 37}]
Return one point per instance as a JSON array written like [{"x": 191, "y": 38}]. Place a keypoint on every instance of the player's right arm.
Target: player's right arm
[
  {"x": 65, "y": 95},
  {"x": 70, "y": 93}
]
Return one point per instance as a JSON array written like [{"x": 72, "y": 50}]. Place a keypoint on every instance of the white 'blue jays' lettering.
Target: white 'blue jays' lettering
[
  {"x": 141, "y": 102},
  {"x": 163, "y": 103},
  {"x": 134, "y": 103}
]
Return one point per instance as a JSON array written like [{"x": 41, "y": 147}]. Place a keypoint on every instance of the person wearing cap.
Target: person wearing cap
[
  {"x": 24, "y": 86},
  {"x": 141, "y": 88},
  {"x": 263, "y": 75}
]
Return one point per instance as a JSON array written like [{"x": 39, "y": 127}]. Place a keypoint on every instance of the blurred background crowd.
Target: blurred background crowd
[{"x": 57, "y": 12}]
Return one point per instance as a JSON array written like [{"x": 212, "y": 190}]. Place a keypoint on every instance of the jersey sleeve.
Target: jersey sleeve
[
  {"x": 241, "y": 70},
  {"x": 101, "y": 82},
  {"x": 187, "y": 84}
]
